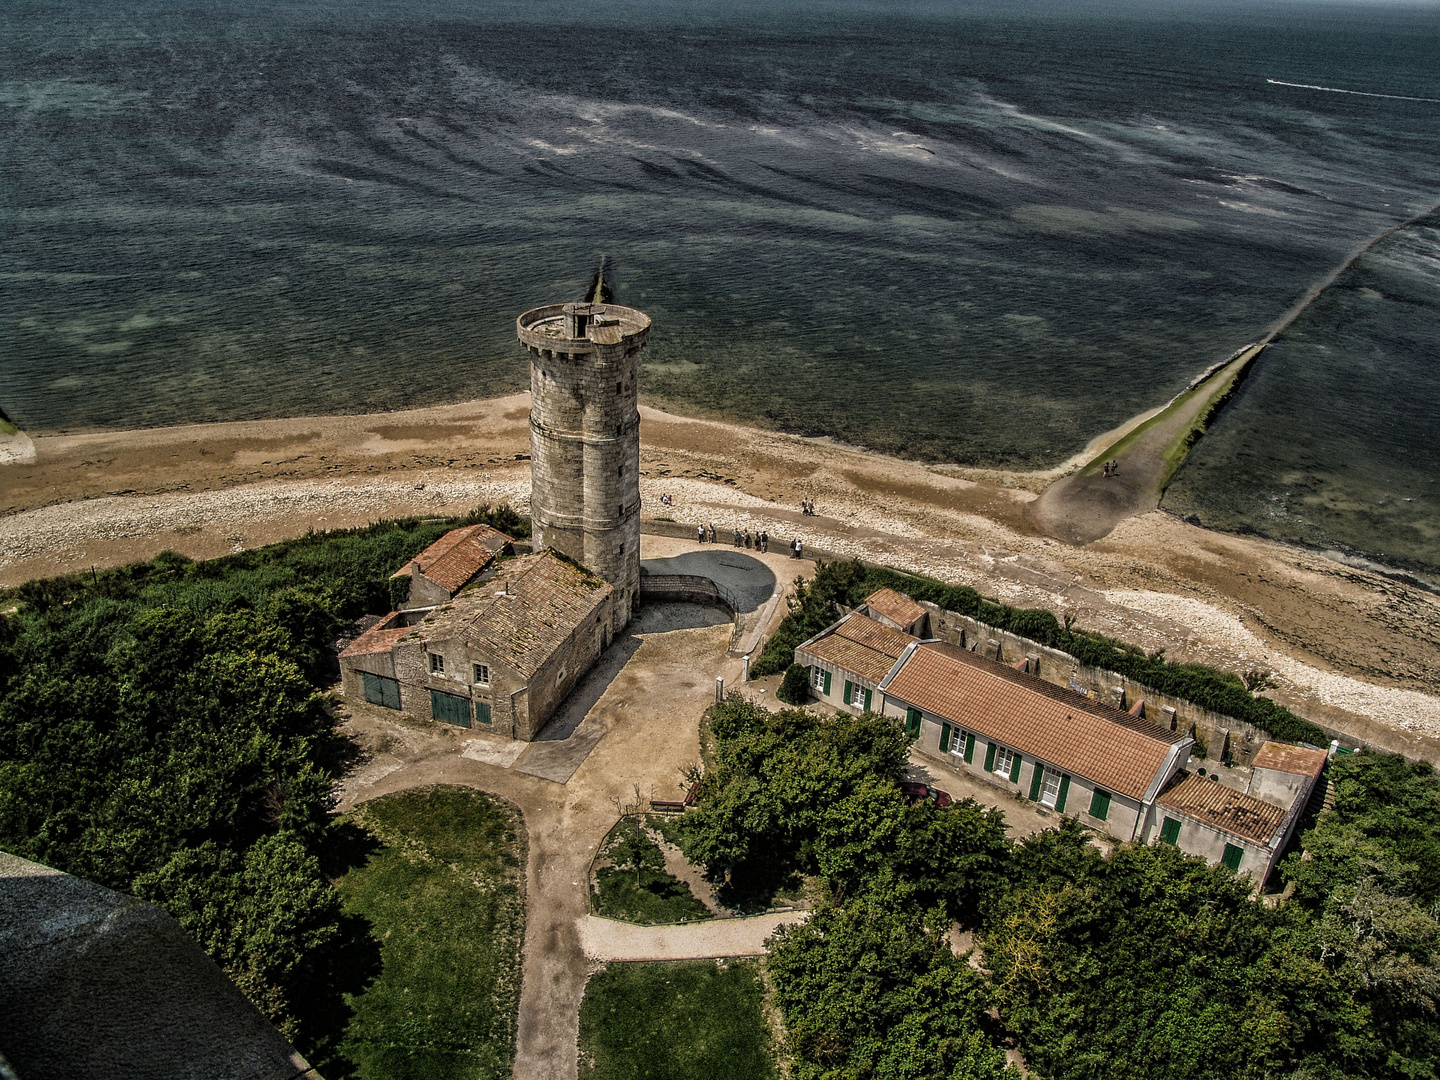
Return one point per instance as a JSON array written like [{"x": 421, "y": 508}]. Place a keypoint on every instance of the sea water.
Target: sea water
[{"x": 968, "y": 233}]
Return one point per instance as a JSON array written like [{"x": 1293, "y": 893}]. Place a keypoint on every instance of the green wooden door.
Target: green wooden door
[
  {"x": 1170, "y": 831},
  {"x": 912, "y": 723},
  {"x": 1231, "y": 858},
  {"x": 381, "y": 691},
  {"x": 450, "y": 708},
  {"x": 482, "y": 712}
]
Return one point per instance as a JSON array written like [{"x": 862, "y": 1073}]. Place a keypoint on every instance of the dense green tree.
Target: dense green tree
[
  {"x": 163, "y": 732},
  {"x": 871, "y": 992}
]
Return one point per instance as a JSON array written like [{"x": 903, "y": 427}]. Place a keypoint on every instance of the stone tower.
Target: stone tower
[{"x": 585, "y": 437}]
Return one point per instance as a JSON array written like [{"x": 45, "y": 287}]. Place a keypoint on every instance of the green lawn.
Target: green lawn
[
  {"x": 696, "y": 1019},
  {"x": 636, "y": 887},
  {"x": 445, "y": 898}
]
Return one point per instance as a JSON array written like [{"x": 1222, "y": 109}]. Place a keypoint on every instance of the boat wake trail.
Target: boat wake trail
[{"x": 1357, "y": 93}]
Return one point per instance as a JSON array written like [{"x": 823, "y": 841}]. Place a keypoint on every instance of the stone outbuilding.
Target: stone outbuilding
[
  {"x": 454, "y": 561},
  {"x": 898, "y": 611},
  {"x": 502, "y": 655}
]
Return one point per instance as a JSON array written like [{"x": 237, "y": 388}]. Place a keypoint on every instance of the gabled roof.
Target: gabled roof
[
  {"x": 859, "y": 645},
  {"x": 1105, "y": 746},
  {"x": 522, "y": 614},
  {"x": 894, "y": 606},
  {"x": 1224, "y": 808},
  {"x": 457, "y": 556},
  {"x": 1291, "y": 759},
  {"x": 380, "y": 638}
]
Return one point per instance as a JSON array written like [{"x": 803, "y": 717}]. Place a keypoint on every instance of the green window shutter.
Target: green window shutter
[
  {"x": 1100, "y": 804},
  {"x": 1015, "y": 769},
  {"x": 827, "y": 683},
  {"x": 1170, "y": 831},
  {"x": 1232, "y": 857},
  {"x": 1064, "y": 793},
  {"x": 944, "y": 738},
  {"x": 867, "y": 700},
  {"x": 482, "y": 712},
  {"x": 1036, "y": 776},
  {"x": 969, "y": 748},
  {"x": 912, "y": 723},
  {"x": 849, "y": 691},
  {"x": 989, "y": 756}
]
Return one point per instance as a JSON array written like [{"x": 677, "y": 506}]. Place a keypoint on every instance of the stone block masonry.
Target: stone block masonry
[{"x": 585, "y": 438}]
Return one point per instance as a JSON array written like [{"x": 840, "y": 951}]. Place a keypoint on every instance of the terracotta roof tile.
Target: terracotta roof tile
[
  {"x": 1225, "y": 808},
  {"x": 860, "y": 645},
  {"x": 1104, "y": 745},
  {"x": 895, "y": 606},
  {"x": 1291, "y": 759},
  {"x": 458, "y": 556},
  {"x": 379, "y": 638}
]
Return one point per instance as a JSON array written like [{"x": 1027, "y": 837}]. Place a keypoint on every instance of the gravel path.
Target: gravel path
[{"x": 606, "y": 939}]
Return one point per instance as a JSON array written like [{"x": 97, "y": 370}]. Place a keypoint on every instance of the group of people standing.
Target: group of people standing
[
  {"x": 807, "y": 507},
  {"x": 1112, "y": 467},
  {"x": 760, "y": 541}
]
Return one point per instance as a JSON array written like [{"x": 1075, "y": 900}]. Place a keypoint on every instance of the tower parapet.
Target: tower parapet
[{"x": 585, "y": 437}]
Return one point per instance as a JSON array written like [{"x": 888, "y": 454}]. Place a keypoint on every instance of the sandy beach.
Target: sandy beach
[{"x": 1352, "y": 649}]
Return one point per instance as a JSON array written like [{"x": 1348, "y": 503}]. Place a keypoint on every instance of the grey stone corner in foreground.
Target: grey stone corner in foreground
[{"x": 97, "y": 984}]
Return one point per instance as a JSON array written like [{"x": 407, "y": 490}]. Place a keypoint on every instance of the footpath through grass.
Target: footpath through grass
[
  {"x": 635, "y": 887},
  {"x": 697, "y": 1019},
  {"x": 445, "y": 897}
]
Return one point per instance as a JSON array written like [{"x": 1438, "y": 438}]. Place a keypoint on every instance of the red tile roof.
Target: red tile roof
[
  {"x": 1226, "y": 809},
  {"x": 458, "y": 556},
  {"x": 1104, "y": 745},
  {"x": 379, "y": 638},
  {"x": 1291, "y": 759},
  {"x": 860, "y": 645},
  {"x": 894, "y": 606}
]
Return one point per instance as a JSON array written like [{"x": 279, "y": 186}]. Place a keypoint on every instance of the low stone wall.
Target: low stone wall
[{"x": 684, "y": 589}]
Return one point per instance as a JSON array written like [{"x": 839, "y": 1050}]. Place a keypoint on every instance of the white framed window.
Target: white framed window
[
  {"x": 1050, "y": 788},
  {"x": 437, "y": 664},
  {"x": 957, "y": 741},
  {"x": 857, "y": 696},
  {"x": 1003, "y": 760},
  {"x": 817, "y": 678},
  {"x": 482, "y": 674}
]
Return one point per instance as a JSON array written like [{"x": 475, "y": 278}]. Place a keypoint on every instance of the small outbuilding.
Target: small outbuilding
[
  {"x": 501, "y": 655},
  {"x": 897, "y": 611},
  {"x": 454, "y": 561}
]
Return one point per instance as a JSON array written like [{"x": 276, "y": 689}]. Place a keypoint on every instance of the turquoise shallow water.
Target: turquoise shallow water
[{"x": 974, "y": 234}]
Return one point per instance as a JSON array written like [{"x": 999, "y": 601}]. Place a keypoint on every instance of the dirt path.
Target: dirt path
[
  {"x": 625, "y": 736},
  {"x": 606, "y": 939},
  {"x": 1087, "y": 505}
]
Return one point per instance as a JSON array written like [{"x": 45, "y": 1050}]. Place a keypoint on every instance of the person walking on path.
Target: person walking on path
[
  {"x": 764, "y": 543},
  {"x": 712, "y": 534},
  {"x": 736, "y": 533},
  {"x": 700, "y": 533},
  {"x": 799, "y": 549}
]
